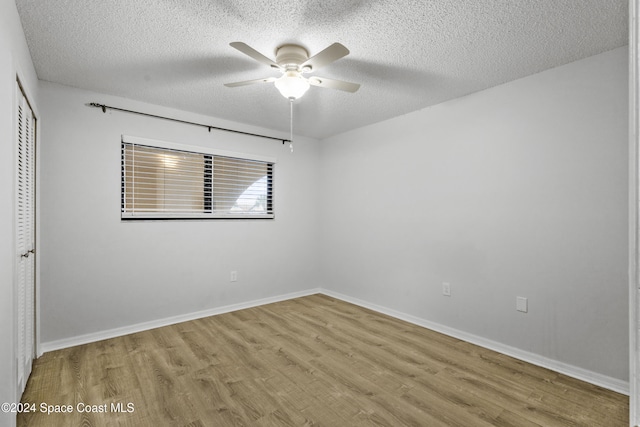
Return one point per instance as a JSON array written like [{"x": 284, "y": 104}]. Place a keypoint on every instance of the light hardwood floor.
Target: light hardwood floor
[{"x": 307, "y": 361}]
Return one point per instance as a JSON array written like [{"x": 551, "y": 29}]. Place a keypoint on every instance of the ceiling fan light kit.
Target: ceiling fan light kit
[{"x": 292, "y": 85}]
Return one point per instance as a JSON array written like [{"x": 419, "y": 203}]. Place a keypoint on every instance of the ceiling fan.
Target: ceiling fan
[{"x": 293, "y": 61}]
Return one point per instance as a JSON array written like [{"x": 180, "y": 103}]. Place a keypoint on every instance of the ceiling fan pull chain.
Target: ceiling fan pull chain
[{"x": 291, "y": 124}]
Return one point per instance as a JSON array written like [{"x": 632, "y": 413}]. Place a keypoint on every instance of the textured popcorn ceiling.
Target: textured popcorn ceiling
[{"x": 407, "y": 54}]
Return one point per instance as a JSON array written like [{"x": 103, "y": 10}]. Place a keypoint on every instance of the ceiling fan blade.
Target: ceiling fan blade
[
  {"x": 326, "y": 57},
  {"x": 248, "y": 50},
  {"x": 334, "y": 84},
  {"x": 250, "y": 82}
]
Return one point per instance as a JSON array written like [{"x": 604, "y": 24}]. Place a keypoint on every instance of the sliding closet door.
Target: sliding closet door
[{"x": 25, "y": 237}]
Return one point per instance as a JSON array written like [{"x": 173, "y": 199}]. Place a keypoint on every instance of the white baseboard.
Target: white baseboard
[
  {"x": 604, "y": 381},
  {"x": 125, "y": 330},
  {"x": 535, "y": 359}
]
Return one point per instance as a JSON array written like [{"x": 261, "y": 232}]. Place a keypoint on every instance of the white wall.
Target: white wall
[
  {"x": 14, "y": 61},
  {"x": 99, "y": 273},
  {"x": 519, "y": 190}
]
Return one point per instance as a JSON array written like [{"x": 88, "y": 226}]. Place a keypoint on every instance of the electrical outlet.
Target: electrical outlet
[
  {"x": 234, "y": 276},
  {"x": 446, "y": 289},
  {"x": 522, "y": 304}
]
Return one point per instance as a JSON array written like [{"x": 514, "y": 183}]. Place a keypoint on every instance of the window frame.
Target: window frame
[{"x": 205, "y": 151}]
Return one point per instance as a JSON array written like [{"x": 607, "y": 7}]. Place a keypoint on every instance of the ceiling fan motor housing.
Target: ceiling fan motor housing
[{"x": 291, "y": 56}]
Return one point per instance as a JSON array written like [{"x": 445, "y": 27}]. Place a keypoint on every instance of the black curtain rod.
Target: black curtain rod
[{"x": 105, "y": 107}]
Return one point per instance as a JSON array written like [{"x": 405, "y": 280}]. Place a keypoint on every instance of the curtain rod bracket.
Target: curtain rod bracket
[{"x": 96, "y": 105}]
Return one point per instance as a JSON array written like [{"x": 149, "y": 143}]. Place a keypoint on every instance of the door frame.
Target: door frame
[{"x": 634, "y": 223}]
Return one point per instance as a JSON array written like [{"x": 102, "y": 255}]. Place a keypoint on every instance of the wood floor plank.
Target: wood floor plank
[{"x": 309, "y": 361}]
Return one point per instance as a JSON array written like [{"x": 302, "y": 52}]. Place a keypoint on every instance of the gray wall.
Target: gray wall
[
  {"x": 519, "y": 190},
  {"x": 99, "y": 273},
  {"x": 14, "y": 61}
]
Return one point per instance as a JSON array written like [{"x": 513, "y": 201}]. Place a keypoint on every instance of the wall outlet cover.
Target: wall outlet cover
[{"x": 446, "y": 289}]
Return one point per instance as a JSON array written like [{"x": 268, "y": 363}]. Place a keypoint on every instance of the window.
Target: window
[{"x": 161, "y": 180}]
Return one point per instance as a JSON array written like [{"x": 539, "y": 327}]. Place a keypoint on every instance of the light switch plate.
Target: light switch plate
[{"x": 522, "y": 304}]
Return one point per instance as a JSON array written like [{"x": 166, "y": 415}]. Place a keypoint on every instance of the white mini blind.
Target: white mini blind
[{"x": 168, "y": 183}]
